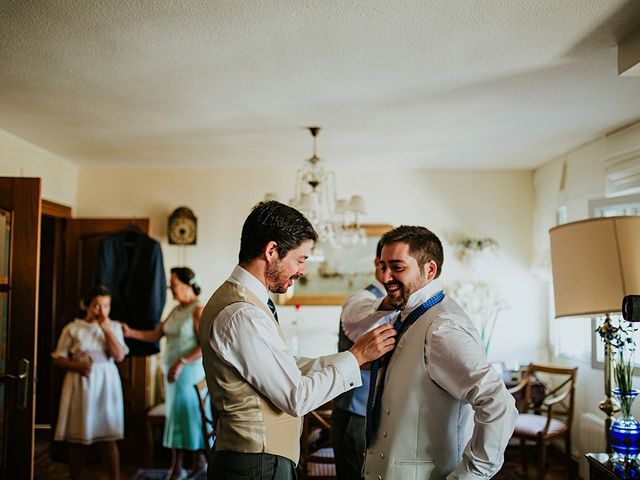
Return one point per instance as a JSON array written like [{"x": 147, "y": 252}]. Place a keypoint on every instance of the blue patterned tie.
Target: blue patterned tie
[
  {"x": 272, "y": 307},
  {"x": 375, "y": 394}
]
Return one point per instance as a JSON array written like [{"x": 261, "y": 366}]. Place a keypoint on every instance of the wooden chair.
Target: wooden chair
[
  {"x": 154, "y": 422},
  {"x": 547, "y": 417},
  {"x": 207, "y": 416},
  {"x": 317, "y": 461}
]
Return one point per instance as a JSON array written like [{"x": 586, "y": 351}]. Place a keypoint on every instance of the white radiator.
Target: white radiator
[{"x": 592, "y": 437}]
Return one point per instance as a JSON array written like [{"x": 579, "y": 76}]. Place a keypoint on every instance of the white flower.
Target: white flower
[{"x": 482, "y": 303}]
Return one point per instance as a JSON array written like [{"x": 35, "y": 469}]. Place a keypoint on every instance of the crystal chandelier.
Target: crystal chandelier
[{"x": 336, "y": 220}]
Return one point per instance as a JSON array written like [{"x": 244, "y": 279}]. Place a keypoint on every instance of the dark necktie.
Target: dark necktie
[
  {"x": 375, "y": 394},
  {"x": 272, "y": 307}
]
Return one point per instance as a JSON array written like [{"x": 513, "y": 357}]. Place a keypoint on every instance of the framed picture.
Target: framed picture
[{"x": 333, "y": 273}]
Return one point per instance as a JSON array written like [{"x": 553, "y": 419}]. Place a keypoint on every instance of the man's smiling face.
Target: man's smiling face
[{"x": 401, "y": 274}]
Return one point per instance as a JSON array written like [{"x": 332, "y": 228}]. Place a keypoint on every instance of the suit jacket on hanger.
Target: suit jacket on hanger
[{"x": 130, "y": 264}]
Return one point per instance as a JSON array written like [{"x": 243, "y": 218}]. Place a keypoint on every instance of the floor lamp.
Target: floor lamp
[{"x": 595, "y": 263}]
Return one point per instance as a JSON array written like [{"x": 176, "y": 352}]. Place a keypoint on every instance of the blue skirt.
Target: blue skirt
[{"x": 183, "y": 423}]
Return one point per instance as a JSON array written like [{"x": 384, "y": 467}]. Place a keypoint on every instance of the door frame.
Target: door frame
[{"x": 21, "y": 196}]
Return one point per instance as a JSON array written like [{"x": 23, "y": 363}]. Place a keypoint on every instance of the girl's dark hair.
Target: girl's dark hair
[
  {"x": 273, "y": 221},
  {"x": 188, "y": 277},
  {"x": 93, "y": 292}
]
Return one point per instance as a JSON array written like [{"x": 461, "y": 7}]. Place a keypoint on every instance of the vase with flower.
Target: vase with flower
[{"x": 625, "y": 429}]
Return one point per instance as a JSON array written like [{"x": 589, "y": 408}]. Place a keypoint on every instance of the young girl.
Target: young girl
[{"x": 91, "y": 406}]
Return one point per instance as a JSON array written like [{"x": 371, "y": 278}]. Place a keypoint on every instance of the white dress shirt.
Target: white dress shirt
[
  {"x": 360, "y": 312},
  {"x": 248, "y": 340},
  {"x": 455, "y": 361}
]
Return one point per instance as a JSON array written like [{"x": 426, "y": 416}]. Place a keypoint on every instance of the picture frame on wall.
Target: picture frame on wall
[{"x": 333, "y": 273}]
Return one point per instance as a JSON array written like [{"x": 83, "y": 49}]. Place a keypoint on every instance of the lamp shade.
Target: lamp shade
[{"x": 595, "y": 263}]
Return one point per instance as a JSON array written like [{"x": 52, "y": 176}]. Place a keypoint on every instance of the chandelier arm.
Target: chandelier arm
[{"x": 315, "y": 196}]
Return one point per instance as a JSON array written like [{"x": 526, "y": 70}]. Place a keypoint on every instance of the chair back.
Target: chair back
[
  {"x": 207, "y": 415},
  {"x": 546, "y": 413},
  {"x": 550, "y": 391},
  {"x": 317, "y": 461}
]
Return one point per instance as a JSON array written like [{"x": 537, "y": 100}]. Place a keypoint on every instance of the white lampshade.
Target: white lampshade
[
  {"x": 309, "y": 202},
  {"x": 341, "y": 206},
  {"x": 595, "y": 263},
  {"x": 356, "y": 204}
]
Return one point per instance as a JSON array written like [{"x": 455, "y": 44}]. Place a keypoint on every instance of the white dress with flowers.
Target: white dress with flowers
[{"x": 91, "y": 408}]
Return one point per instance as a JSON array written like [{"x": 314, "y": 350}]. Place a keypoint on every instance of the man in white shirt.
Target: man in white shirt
[
  {"x": 436, "y": 408},
  {"x": 349, "y": 409},
  {"x": 259, "y": 390}
]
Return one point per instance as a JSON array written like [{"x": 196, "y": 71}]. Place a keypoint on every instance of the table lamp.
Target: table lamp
[{"x": 595, "y": 263}]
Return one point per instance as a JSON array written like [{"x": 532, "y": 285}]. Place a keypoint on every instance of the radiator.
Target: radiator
[
  {"x": 592, "y": 435},
  {"x": 591, "y": 439}
]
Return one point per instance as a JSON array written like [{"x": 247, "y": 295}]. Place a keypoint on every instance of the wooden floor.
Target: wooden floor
[{"x": 512, "y": 470}]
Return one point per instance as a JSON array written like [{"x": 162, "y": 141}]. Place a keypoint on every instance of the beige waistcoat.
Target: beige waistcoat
[{"x": 247, "y": 421}]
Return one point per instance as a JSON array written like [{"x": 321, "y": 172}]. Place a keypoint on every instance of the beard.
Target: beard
[
  {"x": 277, "y": 283},
  {"x": 406, "y": 290}
]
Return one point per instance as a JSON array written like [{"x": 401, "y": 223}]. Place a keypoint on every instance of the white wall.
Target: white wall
[
  {"x": 19, "y": 158},
  {"x": 499, "y": 204},
  {"x": 451, "y": 203},
  {"x": 585, "y": 180}
]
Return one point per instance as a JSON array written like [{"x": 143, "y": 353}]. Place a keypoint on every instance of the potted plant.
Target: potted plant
[
  {"x": 473, "y": 249},
  {"x": 482, "y": 303},
  {"x": 625, "y": 429}
]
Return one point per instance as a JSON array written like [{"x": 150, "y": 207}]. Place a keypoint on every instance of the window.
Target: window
[
  {"x": 626, "y": 205},
  {"x": 598, "y": 357},
  {"x": 575, "y": 337}
]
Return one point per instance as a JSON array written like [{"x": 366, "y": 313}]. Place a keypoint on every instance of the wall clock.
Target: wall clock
[{"x": 183, "y": 227}]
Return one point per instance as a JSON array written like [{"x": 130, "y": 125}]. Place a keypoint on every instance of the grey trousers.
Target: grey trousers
[
  {"x": 226, "y": 465},
  {"x": 348, "y": 441}
]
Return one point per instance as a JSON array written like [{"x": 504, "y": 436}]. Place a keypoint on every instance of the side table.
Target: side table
[{"x": 601, "y": 467}]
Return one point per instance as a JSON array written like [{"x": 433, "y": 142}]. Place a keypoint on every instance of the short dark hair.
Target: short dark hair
[
  {"x": 424, "y": 245},
  {"x": 273, "y": 221},
  {"x": 379, "y": 249},
  {"x": 188, "y": 277},
  {"x": 93, "y": 292}
]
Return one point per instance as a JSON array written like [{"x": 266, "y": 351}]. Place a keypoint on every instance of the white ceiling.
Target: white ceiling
[{"x": 413, "y": 83}]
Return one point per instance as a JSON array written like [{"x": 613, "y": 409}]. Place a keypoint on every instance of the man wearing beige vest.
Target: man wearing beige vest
[
  {"x": 258, "y": 388},
  {"x": 436, "y": 408}
]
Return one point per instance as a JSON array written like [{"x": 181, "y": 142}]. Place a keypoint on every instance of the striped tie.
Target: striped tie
[{"x": 272, "y": 307}]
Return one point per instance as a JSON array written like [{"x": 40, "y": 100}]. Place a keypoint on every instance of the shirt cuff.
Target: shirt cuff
[{"x": 348, "y": 367}]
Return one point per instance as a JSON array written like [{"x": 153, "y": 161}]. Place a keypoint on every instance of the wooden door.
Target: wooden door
[
  {"x": 83, "y": 238},
  {"x": 20, "y": 211}
]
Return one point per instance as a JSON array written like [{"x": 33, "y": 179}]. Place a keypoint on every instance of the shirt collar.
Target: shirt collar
[
  {"x": 247, "y": 279},
  {"x": 379, "y": 286},
  {"x": 418, "y": 297}
]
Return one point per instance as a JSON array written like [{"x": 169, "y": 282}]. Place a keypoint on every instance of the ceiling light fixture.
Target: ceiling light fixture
[{"x": 336, "y": 220}]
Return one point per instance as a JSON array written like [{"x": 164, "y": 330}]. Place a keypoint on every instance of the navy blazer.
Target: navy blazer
[{"x": 130, "y": 264}]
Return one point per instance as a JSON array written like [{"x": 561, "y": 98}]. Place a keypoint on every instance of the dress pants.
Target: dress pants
[
  {"x": 348, "y": 440},
  {"x": 225, "y": 465}
]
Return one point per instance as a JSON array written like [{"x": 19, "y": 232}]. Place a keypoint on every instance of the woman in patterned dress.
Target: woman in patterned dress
[
  {"x": 91, "y": 406},
  {"x": 183, "y": 368}
]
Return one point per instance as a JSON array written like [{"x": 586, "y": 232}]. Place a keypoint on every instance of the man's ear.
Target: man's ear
[
  {"x": 430, "y": 269},
  {"x": 270, "y": 251}
]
